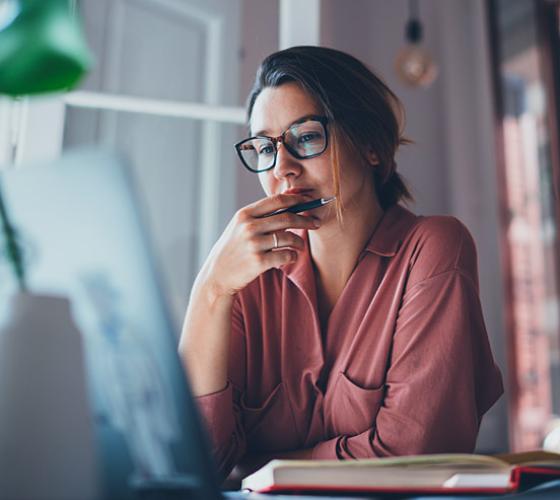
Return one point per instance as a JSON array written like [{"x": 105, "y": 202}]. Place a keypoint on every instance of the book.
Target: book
[{"x": 441, "y": 473}]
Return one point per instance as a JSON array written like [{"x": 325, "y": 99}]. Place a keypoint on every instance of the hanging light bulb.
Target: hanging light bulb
[{"x": 414, "y": 65}]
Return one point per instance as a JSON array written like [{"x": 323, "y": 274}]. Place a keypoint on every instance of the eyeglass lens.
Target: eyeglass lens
[{"x": 302, "y": 140}]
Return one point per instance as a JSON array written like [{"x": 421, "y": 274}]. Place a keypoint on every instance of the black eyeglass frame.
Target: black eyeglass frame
[{"x": 323, "y": 120}]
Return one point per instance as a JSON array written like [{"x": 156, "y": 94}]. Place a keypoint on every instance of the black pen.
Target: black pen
[{"x": 301, "y": 207}]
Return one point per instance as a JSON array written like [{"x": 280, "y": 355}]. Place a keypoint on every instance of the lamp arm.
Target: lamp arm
[{"x": 12, "y": 247}]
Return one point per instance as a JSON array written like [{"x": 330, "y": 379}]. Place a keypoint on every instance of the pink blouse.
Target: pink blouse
[{"x": 403, "y": 366}]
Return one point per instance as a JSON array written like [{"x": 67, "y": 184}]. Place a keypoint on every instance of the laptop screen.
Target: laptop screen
[{"x": 83, "y": 238}]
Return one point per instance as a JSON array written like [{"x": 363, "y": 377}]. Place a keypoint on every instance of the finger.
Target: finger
[
  {"x": 275, "y": 202},
  {"x": 278, "y": 258},
  {"x": 266, "y": 242},
  {"x": 287, "y": 220}
]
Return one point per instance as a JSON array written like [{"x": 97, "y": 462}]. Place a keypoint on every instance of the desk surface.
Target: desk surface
[{"x": 546, "y": 491}]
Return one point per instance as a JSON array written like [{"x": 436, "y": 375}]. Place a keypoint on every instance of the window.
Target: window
[
  {"x": 166, "y": 57},
  {"x": 525, "y": 38}
]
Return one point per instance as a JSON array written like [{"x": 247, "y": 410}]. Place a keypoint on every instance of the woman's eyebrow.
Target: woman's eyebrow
[{"x": 265, "y": 132}]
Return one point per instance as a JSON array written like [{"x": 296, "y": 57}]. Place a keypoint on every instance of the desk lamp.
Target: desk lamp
[
  {"x": 46, "y": 432},
  {"x": 42, "y": 50},
  {"x": 41, "y": 47}
]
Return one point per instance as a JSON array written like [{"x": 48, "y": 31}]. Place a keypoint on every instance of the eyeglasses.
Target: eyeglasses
[{"x": 304, "y": 139}]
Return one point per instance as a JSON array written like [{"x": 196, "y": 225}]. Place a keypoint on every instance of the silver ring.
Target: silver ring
[{"x": 275, "y": 240}]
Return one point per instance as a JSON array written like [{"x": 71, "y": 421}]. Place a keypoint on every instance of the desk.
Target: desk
[{"x": 546, "y": 491}]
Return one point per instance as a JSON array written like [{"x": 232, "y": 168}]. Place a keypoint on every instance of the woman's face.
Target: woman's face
[{"x": 275, "y": 109}]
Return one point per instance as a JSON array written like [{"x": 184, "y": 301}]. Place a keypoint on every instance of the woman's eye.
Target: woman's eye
[
  {"x": 308, "y": 137},
  {"x": 266, "y": 150}
]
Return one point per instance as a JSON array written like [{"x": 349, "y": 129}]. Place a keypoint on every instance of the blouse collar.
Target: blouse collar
[{"x": 385, "y": 241}]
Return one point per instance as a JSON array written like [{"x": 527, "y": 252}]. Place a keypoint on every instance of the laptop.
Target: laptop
[
  {"x": 83, "y": 238},
  {"x": 81, "y": 230}
]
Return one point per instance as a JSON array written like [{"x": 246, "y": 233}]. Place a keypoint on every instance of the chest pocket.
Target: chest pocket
[
  {"x": 270, "y": 426},
  {"x": 351, "y": 409}
]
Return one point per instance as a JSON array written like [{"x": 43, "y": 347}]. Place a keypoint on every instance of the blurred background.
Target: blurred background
[{"x": 168, "y": 89}]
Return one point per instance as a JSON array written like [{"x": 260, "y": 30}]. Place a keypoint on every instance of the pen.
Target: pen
[{"x": 301, "y": 207}]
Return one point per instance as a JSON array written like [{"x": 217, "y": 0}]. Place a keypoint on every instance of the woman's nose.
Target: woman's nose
[{"x": 286, "y": 164}]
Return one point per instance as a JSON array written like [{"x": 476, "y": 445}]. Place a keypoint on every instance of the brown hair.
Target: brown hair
[{"x": 362, "y": 111}]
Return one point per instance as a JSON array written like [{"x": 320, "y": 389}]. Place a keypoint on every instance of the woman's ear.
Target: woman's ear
[{"x": 372, "y": 158}]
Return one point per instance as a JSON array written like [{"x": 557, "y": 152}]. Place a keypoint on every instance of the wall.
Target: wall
[
  {"x": 259, "y": 37},
  {"x": 471, "y": 159},
  {"x": 183, "y": 169}
]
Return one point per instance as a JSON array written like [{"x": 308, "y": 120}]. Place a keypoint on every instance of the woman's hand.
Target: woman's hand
[{"x": 247, "y": 249}]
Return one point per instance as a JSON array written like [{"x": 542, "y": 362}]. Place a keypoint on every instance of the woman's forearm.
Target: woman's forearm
[
  {"x": 204, "y": 345},
  {"x": 241, "y": 254}
]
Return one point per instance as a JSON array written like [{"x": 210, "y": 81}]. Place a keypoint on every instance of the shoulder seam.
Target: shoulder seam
[
  {"x": 456, "y": 270},
  {"x": 459, "y": 253}
]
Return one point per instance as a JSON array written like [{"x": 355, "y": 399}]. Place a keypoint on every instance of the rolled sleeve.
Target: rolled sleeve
[
  {"x": 326, "y": 450},
  {"x": 216, "y": 411}
]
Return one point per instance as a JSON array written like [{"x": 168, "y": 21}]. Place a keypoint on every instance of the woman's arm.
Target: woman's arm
[
  {"x": 441, "y": 375},
  {"x": 212, "y": 342},
  {"x": 205, "y": 341},
  {"x": 242, "y": 253}
]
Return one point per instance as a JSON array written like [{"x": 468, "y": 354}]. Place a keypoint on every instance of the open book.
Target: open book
[{"x": 453, "y": 473}]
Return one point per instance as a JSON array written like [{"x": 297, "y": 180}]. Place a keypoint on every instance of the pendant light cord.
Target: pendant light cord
[
  {"x": 413, "y": 10},
  {"x": 413, "y": 31}
]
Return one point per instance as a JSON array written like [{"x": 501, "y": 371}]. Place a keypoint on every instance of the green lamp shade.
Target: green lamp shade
[{"x": 42, "y": 48}]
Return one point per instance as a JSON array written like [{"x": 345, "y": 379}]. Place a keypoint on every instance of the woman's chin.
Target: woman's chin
[{"x": 324, "y": 217}]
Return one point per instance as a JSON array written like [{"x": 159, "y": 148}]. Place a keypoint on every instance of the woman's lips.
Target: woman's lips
[{"x": 297, "y": 191}]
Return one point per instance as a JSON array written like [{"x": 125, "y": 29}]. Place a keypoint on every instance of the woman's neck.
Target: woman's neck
[{"x": 335, "y": 248}]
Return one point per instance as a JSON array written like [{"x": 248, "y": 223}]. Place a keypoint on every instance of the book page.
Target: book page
[
  {"x": 478, "y": 481},
  {"x": 457, "y": 460},
  {"x": 530, "y": 457}
]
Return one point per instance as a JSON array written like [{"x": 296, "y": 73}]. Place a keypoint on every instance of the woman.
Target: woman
[{"x": 351, "y": 330}]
